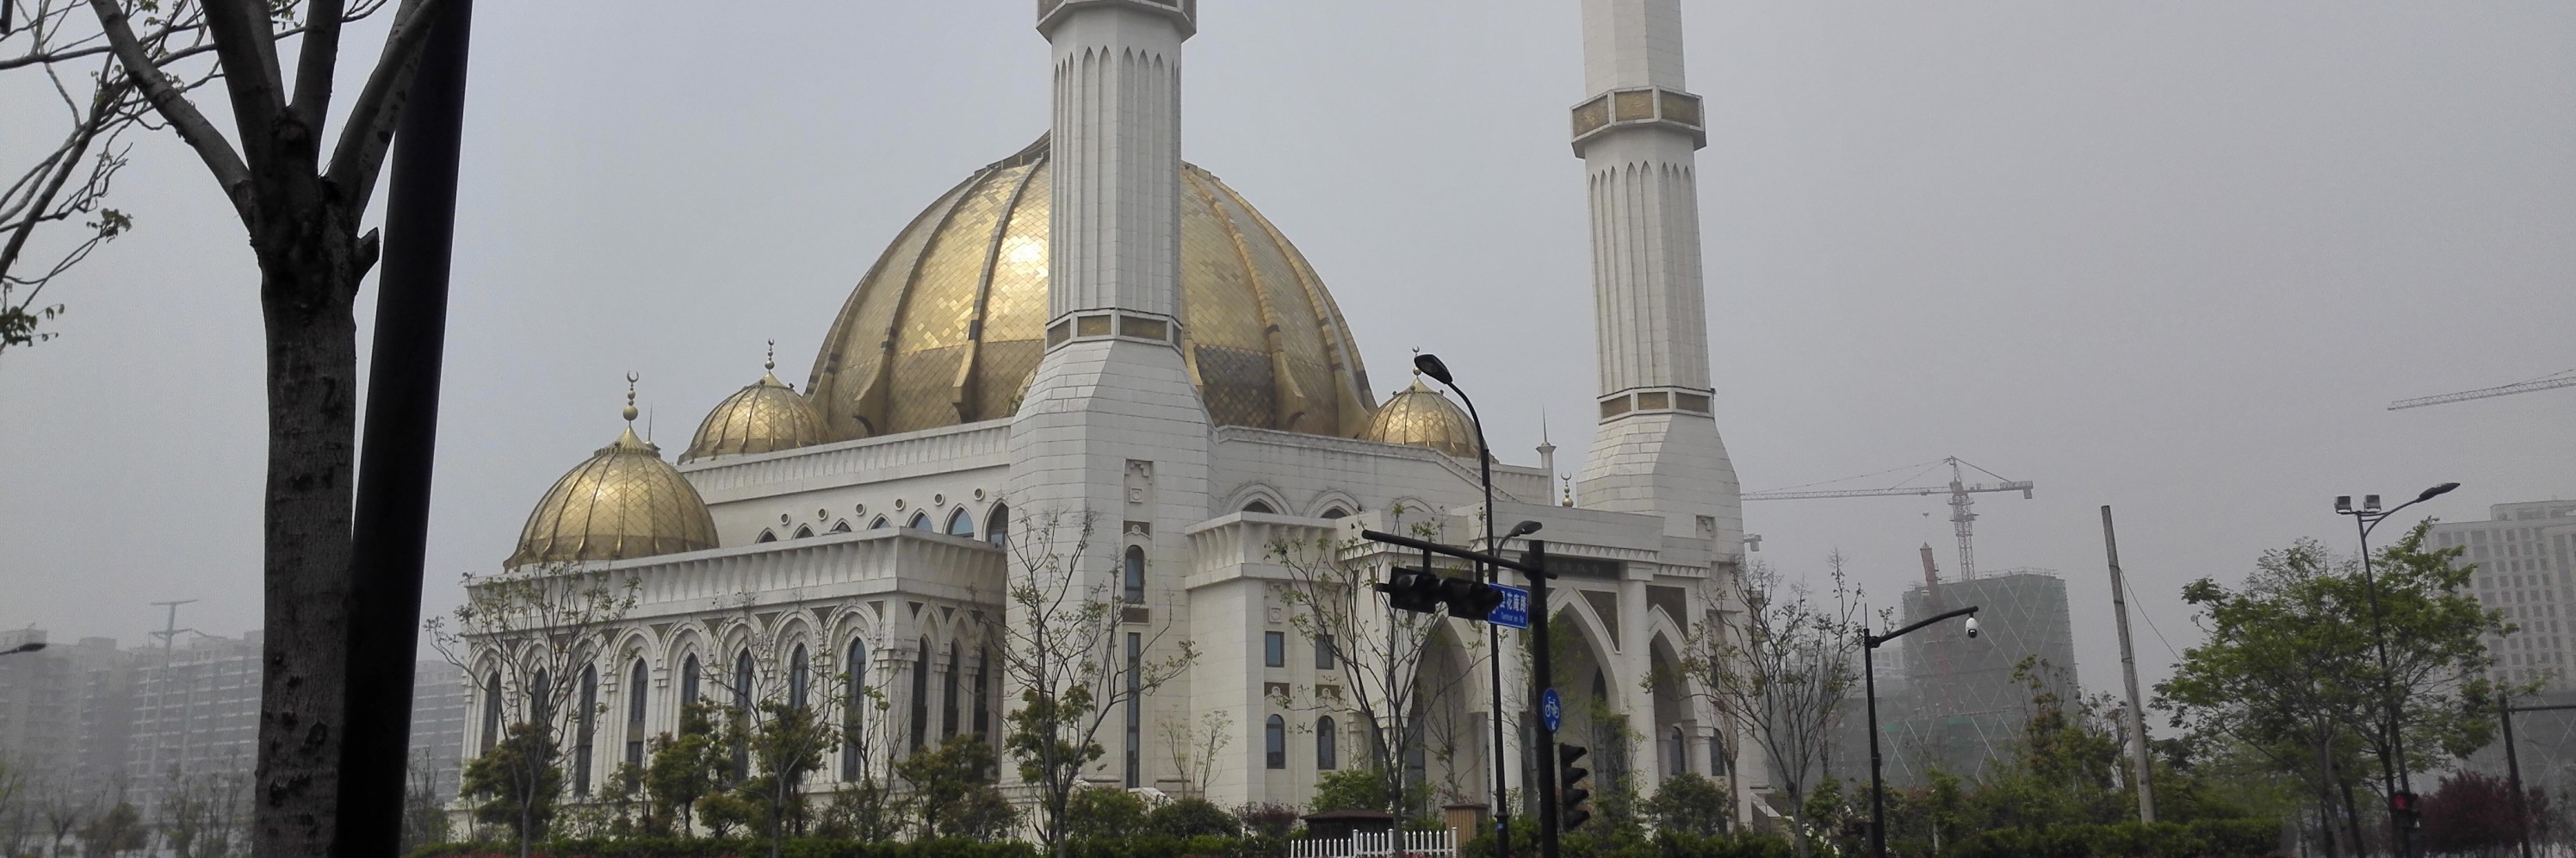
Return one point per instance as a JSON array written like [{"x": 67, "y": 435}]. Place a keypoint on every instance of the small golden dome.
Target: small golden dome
[
  {"x": 625, "y": 502},
  {"x": 948, "y": 326},
  {"x": 1423, "y": 417},
  {"x": 764, "y": 416}
]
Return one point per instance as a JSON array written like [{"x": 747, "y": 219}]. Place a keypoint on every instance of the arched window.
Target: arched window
[
  {"x": 767, "y": 536},
  {"x": 961, "y": 524},
  {"x": 585, "y": 728},
  {"x": 983, "y": 680},
  {"x": 1336, "y": 512},
  {"x": 491, "y": 710},
  {"x": 997, "y": 525},
  {"x": 1678, "y": 758},
  {"x": 804, "y": 532},
  {"x": 879, "y": 524},
  {"x": 854, "y": 718},
  {"x": 920, "y": 521},
  {"x": 796, "y": 677},
  {"x": 742, "y": 714},
  {"x": 742, "y": 681},
  {"x": 921, "y": 696},
  {"x": 1259, "y": 506},
  {"x": 1135, "y": 591},
  {"x": 1274, "y": 742},
  {"x": 636, "y": 677},
  {"x": 1328, "y": 751},
  {"x": 948, "y": 697},
  {"x": 842, "y": 526},
  {"x": 541, "y": 707},
  {"x": 689, "y": 680}
]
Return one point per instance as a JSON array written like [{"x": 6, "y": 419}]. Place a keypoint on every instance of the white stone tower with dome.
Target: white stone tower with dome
[{"x": 1092, "y": 330}]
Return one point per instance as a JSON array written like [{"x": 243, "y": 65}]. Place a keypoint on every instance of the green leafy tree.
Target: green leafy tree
[
  {"x": 2290, "y": 668},
  {"x": 683, "y": 768},
  {"x": 119, "y": 831},
  {"x": 1104, "y": 813},
  {"x": 1690, "y": 804},
  {"x": 1059, "y": 651},
  {"x": 518, "y": 781},
  {"x": 424, "y": 817},
  {"x": 951, "y": 789},
  {"x": 1192, "y": 817}
]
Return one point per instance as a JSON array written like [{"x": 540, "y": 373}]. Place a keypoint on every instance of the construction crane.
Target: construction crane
[
  {"x": 1962, "y": 516},
  {"x": 2564, "y": 379}
]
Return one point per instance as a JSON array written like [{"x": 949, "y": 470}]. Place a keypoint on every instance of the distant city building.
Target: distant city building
[
  {"x": 1964, "y": 699},
  {"x": 2523, "y": 553},
  {"x": 438, "y": 726},
  {"x": 196, "y": 711},
  {"x": 65, "y": 711}
]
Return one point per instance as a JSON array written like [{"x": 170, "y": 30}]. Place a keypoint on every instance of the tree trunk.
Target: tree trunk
[{"x": 310, "y": 267}]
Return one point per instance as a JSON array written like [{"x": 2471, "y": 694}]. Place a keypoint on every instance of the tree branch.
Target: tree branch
[
  {"x": 368, "y": 131},
  {"x": 226, "y": 165},
  {"x": 318, "y": 60},
  {"x": 246, "y": 44}
]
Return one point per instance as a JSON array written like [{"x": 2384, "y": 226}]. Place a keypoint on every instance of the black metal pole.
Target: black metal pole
[
  {"x": 1877, "y": 791},
  {"x": 2513, "y": 778},
  {"x": 1540, "y": 679},
  {"x": 1493, "y": 633},
  {"x": 390, "y": 530}
]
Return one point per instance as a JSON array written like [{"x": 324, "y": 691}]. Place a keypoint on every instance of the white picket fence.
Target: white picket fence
[{"x": 1365, "y": 844}]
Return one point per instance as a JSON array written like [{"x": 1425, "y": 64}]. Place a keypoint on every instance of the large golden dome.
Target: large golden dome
[
  {"x": 625, "y": 502},
  {"x": 763, "y": 416},
  {"x": 948, "y": 326},
  {"x": 1423, "y": 417}
]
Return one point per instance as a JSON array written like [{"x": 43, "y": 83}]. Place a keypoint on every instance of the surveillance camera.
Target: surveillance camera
[{"x": 1972, "y": 627}]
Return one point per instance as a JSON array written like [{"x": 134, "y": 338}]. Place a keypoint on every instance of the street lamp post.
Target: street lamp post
[
  {"x": 2392, "y": 760},
  {"x": 1430, "y": 365},
  {"x": 1869, "y": 680}
]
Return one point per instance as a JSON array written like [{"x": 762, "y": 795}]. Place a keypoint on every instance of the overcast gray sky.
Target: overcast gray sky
[{"x": 2173, "y": 257}]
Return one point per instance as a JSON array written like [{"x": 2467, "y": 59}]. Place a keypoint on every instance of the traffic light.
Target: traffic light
[
  {"x": 1412, "y": 590},
  {"x": 1569, "y": 797},
  {"x": 1469, "y": 599},
  {"x": 2403, "y": 807}
]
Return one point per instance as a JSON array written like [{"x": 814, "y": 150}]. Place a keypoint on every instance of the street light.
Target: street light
[
  {"x": 1869, "y": 675},
  {"x": 1430, "y": 365},
  {"x": 2392, "y": 762}
]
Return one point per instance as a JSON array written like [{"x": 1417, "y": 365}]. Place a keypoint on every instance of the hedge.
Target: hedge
[
  {"x": 2208, "y": 838},
  {"x": 805, "y": 847}
]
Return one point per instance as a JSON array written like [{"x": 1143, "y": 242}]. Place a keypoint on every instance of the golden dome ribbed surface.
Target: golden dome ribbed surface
[
  {"x": 948, "y": 325},
  {"x": 1423, "y": 417},
  {"x": 625, "y": 502},
  {"x": 767, "y": 415}
]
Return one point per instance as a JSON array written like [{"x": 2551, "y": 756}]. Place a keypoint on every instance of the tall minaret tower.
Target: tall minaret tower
[
  {"x": 1657, "y": 449},
  {"x": 1111, "y": 432}
]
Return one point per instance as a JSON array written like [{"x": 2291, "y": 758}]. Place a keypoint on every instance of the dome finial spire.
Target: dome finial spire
[
  {"x": 770, "y": 364},
  {"x": 630, "y": 395}
]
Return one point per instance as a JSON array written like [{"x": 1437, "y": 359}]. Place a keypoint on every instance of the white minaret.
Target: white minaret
[
  {"x": 1111, "y": 430},
  {"x": 1657, "y": 449}
]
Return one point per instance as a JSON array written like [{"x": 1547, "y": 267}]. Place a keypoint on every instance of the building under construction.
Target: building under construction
[{"x": 1962, "y": 701}]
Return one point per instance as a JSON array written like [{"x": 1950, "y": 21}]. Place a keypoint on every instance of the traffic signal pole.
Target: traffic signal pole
[{"x": 1533, "y": 565}]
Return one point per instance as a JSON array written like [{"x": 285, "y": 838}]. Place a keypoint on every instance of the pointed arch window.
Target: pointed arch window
[
  {"x": 997, "y": 526},
  {"x": 1260, "y": 506},
  {"x": 796, "y": 682},
  {"x": 961, "y": 524},
  {"x": 879, "y": 524},
  {"x": 983, "y": 680},
  {"x": 742, "y": 677},
  {"x": 1135, "y": 575},
  {"x": 842, "y": 526},
  {"x": 1274, "y": 742},
  {"x": 1677, "y": 759},
  {"x": 1328, "y": 751},
  {"x": 1337, "y": 512},
  {"x": 920, "y": 521},
  {"x": 948, "y": 697},
  {"x": 540, "y": 702},
  {"x": 767, "y": 536},
  {"x": 636, "y": 677},
  {"x": 586, "y": 728},
  {"x": 689, "y": 680},
  {"x": 491, "y": 710},
  {"x": 804, "y": 532}
]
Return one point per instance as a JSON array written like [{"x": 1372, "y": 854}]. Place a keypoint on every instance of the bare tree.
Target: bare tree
[
  {"x": 781, "y": 711},
  {"x": 1194, "y": 748},
  {"x": 528, "y": 639},
  {"x": 1376, "y": 650},
  {"x": 203, "y": 815},
  {"x": 19, "y": 810},
  {"x": 66, "y": 811},
  {"x": 1059, "y": 651},
  {"x": 1780, "y": 670}
]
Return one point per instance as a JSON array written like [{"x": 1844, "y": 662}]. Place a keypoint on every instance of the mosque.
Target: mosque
[{"x": 1092, "y": 330}]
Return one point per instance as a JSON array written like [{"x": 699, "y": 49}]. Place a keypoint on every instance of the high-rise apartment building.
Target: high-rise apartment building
[
  {"x": 65, "y": 711},
  {"x": 196, "y": 711},
  {"x": 1965, "y": 698},
  {"x": 438, "y": 726},
  {"x": 2525, "y": 554}
]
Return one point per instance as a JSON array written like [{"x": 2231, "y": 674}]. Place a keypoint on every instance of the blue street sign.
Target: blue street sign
[
  {"x": 1514, "y": 611},
  {"x": 1551, "y": 711}
]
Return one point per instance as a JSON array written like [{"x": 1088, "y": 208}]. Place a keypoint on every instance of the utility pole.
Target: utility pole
[{"x": 2129, "y": 675}]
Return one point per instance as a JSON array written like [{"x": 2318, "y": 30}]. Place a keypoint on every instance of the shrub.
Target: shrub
[
  {"x": 1193, "y": 817},
  {"x": 1268, "y": 819},
  {"x": 1100, "y": 812}
]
